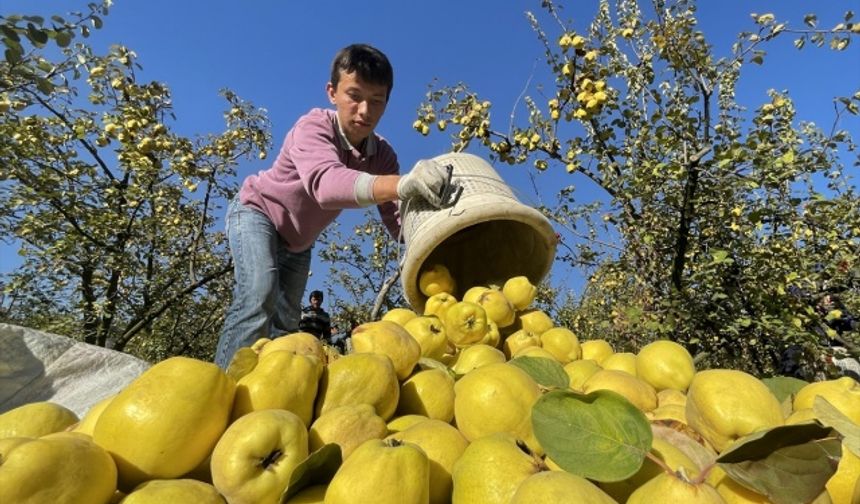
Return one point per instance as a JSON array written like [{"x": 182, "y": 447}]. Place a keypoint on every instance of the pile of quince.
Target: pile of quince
[{"x": 447, "y": 405}]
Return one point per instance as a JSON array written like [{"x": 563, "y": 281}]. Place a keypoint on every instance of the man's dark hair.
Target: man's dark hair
[
  {"x": 316, "y": 294},
  {"x": 370, "y": 63}
]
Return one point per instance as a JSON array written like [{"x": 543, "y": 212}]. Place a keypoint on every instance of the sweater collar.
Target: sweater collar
[{"x": 369, "y": 143}]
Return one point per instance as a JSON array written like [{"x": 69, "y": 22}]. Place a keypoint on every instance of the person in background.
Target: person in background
[
  {"x": 332, "y": 159},
  {"x": 315, "y": 319}
]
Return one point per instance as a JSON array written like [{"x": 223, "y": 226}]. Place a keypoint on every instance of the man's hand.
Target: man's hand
[{"x": 424, "y": 181}]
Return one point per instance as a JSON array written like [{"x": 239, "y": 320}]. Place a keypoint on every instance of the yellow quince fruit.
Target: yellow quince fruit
[
  {"x": 444, "y": 445},
  {"x": 166, "y": 421},
  {"x": 175, "y": 490},
  {"x": 465, "y": 323},
  {"x": 669, "y": 396},
  {"x": 597, "y": 350},
  {"x": 436, "y": 279},
  {"x": 475, "y": 356},
  {"x": 281, "y": 380},
  {"x": 665, "y": 365},
  {"x": 254, "y": 459},
  {"x": 579, "y": 371},
  {"x": 438, "y": 304},
  {"x": 673, "y": 457},
  {"x": 639, "y": 393},
  {"x": 347, "y": 426},
  {"x": 88, "y": 422},
  {"x": 670, "y": 487},
  {"x": 520, "y": 292},
  {"x": 559, "y": 486},
  {"x": 404, "y": 422},
  {"x": 383, "y": 472},
  {"x": 562, "y": 343},
  {"x": 474, "y": 293},
  {"x": 535, "y": 321},
  {"x": 36, "y": 419},
  {"x": 496, "y": 398},
  {"x": 621, "y": 361},
  {"x": 430, "y": 393},
  {"x": 491, "y": 469},
  {"x": 390, "y": 339},
  {"x": 297, "y": 342},
  {"x": 360, "y": 378},
  {"x": 726, "y": 404},
  {"x": 497, "y": 307},
  {"x": 429, "y": 332},
  {"x": 844, "y": 485},
  {"x": 534, "y": 351},
  {"x": 65, "y": 467},
  {"x": 843, "y": 393},
  {"x": 519, "y": 340},
  {"x": 399, "y": 315}
]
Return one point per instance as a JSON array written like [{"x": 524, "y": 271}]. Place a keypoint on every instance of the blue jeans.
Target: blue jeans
[{"x": 268, "y": 286}]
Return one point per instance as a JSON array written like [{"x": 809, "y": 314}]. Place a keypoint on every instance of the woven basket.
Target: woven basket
[{"x": 487, "y": 237}]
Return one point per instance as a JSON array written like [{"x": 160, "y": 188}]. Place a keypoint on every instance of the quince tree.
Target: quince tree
[
  {"x": 113, "y": 209},
  {"x": 719, "y": 225}
]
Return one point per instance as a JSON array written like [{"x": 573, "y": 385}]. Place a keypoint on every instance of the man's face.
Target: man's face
[
  {"x": 359, "y": 105},
  {"x": 315, "y": 302}
]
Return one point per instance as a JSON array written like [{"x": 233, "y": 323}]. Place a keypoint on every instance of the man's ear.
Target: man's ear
[{"x": 330, "y": 89}]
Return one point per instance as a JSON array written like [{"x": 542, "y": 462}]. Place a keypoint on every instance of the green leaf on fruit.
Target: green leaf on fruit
[
  {"x": 832, "y": 417},
  {"x": 784, "y": 387},
  {"x": 600, "y": 436},
  {"x": 317, "y": 469},
  {"x": 546, "y": 372},
  {"x": 788, "y": 464},
  {"x": 243, "y": 362},
  {"x": 425, "y": 363}
]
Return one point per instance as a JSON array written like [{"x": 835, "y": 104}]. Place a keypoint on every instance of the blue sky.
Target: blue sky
[{"x": 276, "y": 54}]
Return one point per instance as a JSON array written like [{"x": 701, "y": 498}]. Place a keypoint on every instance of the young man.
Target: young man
[
  {"x": 314, "y": 319},
  {"x": 329, "y": 161}
]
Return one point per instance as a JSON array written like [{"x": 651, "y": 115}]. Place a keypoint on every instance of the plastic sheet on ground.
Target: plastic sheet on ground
[{"x": 40, "y": 366}]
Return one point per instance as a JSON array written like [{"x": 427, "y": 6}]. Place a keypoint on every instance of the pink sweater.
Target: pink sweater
[{"x": 313, "y": 179}]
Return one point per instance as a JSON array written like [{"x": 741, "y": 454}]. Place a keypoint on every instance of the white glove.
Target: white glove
[{"x": 424, "y": 181}]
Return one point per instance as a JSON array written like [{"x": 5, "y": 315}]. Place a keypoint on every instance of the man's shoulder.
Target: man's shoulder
[{"x": 317, "y": 116}]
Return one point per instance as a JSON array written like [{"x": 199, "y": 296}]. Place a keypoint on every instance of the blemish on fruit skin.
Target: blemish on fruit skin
[{"x": 271, "y": 459}]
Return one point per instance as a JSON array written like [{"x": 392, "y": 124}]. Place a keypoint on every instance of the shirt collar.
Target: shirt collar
[{"x": 369, "y": 143}]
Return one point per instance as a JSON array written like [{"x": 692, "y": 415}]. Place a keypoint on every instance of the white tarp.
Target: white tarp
[{"x": 40, "y": 366}]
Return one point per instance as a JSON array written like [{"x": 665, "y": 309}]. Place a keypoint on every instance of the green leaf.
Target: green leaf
[
  {"x": 317, "y": 469},
  {"x": 45, "y": 86},
  {"x": 832, "y": 417},
  {"x": 428, "y": 363},
  {"x": 546, "y": 372},
  {"x": 788, "y": 464},
  {"x": 784, "y": 386},
  {"x": 10, "y": 33},
  {"x": 244, "y": 361},
  {"x": 719, "y": 255},
  {"x": 64, "y": 38},
  {"x": 36, "y": 35},
  {"x": 13, "y": 56},
  {"x": 600, "y": 436}
]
